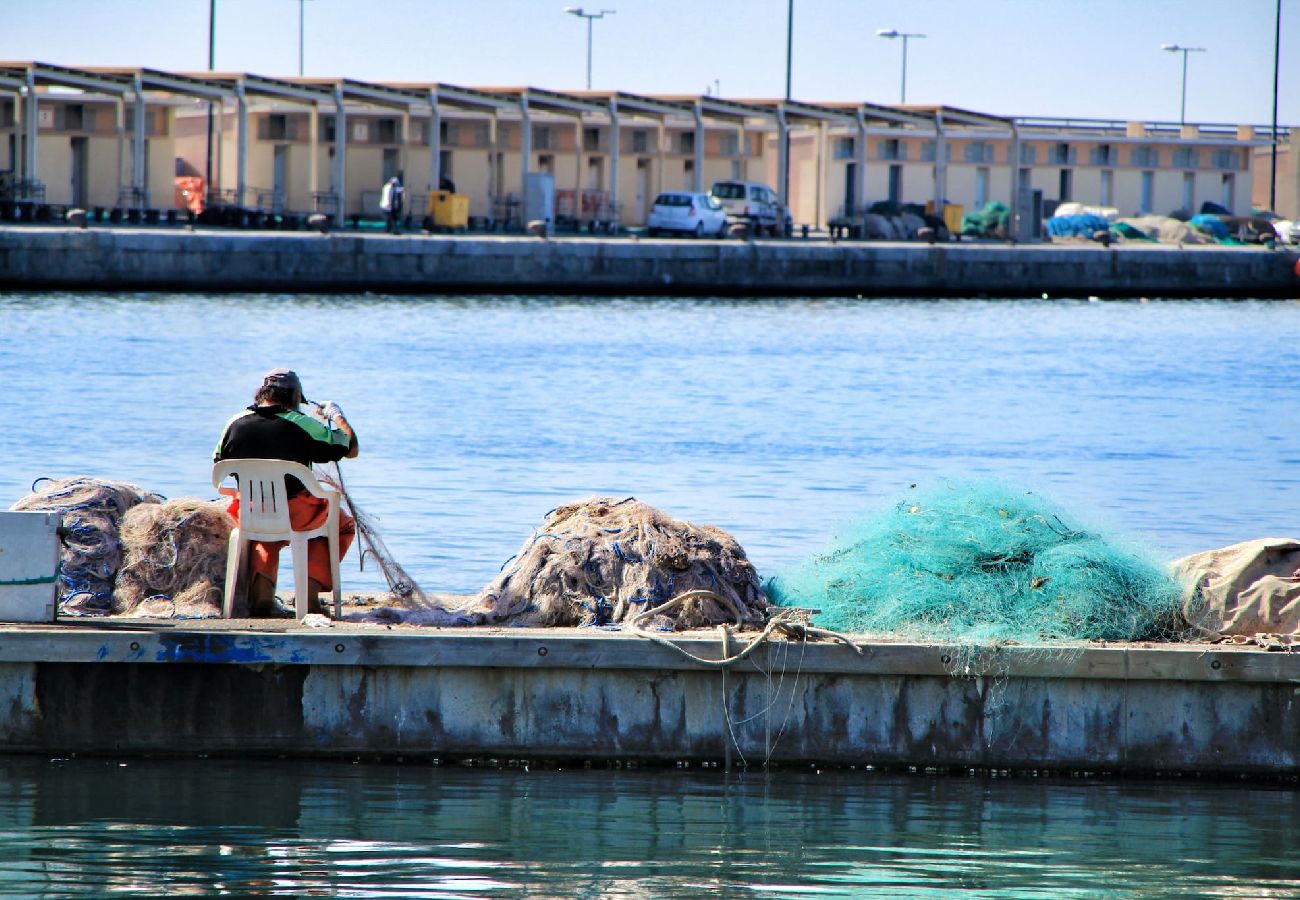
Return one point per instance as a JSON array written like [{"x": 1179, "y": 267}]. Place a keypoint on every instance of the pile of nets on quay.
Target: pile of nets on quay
[
  {"x": 623, "y": 562},
  {"x": 981, "y": 563},
  {"x": 129, "y": 551},
  {"x": 92, "y": 510}
]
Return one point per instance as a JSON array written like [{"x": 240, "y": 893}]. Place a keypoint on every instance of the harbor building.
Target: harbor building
[{"x": 125, "y": 138}]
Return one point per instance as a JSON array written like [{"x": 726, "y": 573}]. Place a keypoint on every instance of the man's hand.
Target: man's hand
[{"x": 329, "y": 411}]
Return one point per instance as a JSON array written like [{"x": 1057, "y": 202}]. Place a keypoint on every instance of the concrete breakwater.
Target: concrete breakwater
[
  {"x": 57, "y": 258},
  {"x": 583, "y": 695}
]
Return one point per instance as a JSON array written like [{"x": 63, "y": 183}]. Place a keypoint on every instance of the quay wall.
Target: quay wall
[
  {"x": 570, "y": 695},
  {"x": 57, "y": 258}
]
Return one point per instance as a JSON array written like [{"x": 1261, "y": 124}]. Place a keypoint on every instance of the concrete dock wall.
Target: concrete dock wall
[
  {"x": 601, "y": 696},
  {"x": 123, "y": 259}
]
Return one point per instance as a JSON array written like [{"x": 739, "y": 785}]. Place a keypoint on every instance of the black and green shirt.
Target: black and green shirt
[{"x": 274, "y": 432}]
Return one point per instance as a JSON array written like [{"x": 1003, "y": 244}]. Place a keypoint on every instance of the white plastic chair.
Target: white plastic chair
[{"x": 264, "y": 516}]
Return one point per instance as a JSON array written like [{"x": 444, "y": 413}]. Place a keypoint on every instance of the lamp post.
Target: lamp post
[
  {"x": 301, "y": 15},
  {"x": 1175, "y": 48},
  {"x": 212, "y": 63},
  {"x": 894, "y": 34},
  {"x": 789, "y": 71},
  {"x": 1277, "y": 55},
  {"x": 589, "y": 16}
]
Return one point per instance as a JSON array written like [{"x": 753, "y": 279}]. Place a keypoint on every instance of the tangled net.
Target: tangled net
[
  {"x": 606, "y": 562},
  {"x": 980, "y": 563},
  {"x": 92, "y": 511},
  {"x": 174, "y": 559},
  {"x": 402, "y": 587}
]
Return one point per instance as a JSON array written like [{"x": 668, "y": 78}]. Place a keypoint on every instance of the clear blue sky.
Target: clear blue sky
[{"x": 1086, "y": 58}]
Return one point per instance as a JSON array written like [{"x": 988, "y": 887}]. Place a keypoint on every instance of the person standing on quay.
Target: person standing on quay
[{"x": 391, "y": 201}]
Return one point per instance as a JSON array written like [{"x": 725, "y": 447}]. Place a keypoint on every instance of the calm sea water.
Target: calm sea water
[
  {"x": 208, "y": 828},
  {"x": 1174, "y": 422}
]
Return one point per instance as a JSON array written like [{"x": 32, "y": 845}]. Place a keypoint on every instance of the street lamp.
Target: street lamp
[
  {"x": 1175, "y": 48},
  {"x": 301, "y": 5},
  {"x": 589, "y": 16},
  {"x": 893, "y": 33}
]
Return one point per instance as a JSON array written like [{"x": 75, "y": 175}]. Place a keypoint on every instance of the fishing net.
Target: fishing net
[
  {"x": 979, "y": 563},
  {"x": 174, "y": 559},
  {"x": 402, "y": 587},
  {"x": 92, "y": 511},
  {"x": 606, "y": 561},
  {"x": 991, "y": 221}
]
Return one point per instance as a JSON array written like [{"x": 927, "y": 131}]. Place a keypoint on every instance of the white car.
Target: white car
[{"x": 687, "y": 213}]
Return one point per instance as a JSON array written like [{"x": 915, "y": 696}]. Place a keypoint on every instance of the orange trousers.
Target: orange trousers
[{"x": 305, "y": 513}]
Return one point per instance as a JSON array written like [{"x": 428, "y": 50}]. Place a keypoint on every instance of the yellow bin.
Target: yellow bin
[
  {"x": 449, "y": 210},
  {"x": 952, "y": 216}
]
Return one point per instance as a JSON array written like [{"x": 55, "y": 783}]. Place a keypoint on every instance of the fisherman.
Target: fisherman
[
  {"x": 275, "y": 428},
  {"x": 391, "y": 196}
]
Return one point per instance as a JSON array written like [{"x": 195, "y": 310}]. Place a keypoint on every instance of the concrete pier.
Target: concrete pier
[
  {"x": 238, "y": 687},
  {"x": 55, "y": 258}
]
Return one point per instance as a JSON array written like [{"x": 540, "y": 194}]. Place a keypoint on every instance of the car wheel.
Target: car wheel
[{"x": 652, "y": 232}]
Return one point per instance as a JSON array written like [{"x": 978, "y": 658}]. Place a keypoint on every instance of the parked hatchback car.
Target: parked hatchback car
[
  {"x": 752, "y": 204},
  {"x": 687, "y": 213}
]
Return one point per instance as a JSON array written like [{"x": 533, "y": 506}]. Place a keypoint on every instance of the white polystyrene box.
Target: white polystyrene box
[{"x": 29, "y": 566}]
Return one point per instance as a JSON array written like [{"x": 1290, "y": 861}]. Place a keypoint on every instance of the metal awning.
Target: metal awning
[
  {"x": 390, "y": 96},
  {"x": 953, "y": 115},
  {"x": 81, "y": 79},
  {"x": 455, "y": 95},
  {"x": 260, "y": 85},
  {"x": 548, "y": 101},
  {"x": 718, "y": 108}
]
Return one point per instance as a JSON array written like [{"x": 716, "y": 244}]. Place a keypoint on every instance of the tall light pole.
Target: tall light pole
[
  {"x": 1277, "y": 55},
  {"x": 301, "y": 15},
  {"x": 212, "y": 63},
  {"x": 590, "y": 17},
  {"x": 789, "y": 71},
  {"x": 894, "y": 34},
  {"x": 1175, "y": 48}
]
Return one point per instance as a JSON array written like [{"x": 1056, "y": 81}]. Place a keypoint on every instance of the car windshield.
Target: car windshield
[
  {"x": 672, "y": 200},
  {"x": 725, "y": 190}
]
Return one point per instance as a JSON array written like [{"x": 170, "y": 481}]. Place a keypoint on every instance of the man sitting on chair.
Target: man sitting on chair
[{"x": 274, "y": 428}]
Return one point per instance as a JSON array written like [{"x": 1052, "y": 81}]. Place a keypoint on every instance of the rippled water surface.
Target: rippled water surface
[
  {"x": 209, "y": 828},
  {"x": 1173, "y": 422}
]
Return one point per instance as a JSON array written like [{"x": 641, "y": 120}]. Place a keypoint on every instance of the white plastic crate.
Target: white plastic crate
[{"x": 29, "y": 566}]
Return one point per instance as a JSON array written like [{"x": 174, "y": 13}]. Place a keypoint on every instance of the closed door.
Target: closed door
[
  {"x": 642, "y": 190},
  {"x": 80, "y": 193},
  {"x": 280, "y": 176},
  {"x": 850, "y": 188}
]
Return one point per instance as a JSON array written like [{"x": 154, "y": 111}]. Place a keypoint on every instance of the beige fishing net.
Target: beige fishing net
[
  {"x": 92, "y": 509},
  {"x": 174, "y": 559},
  {"x": 606, "y": 562}
]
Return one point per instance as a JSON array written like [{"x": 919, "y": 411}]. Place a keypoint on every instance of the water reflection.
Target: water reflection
[{"x": 306, "y": 828}]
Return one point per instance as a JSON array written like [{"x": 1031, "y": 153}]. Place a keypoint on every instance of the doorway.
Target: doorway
[
  {"x": 80, "y": 194},
  {"x": 642, "y": 190},
  {"x": 279, "y": 177}
]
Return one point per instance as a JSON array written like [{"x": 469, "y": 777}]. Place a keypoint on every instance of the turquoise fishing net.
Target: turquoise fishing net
[{"x": 979, "y": 562}]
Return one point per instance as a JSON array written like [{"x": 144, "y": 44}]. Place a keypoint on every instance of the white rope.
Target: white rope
[{"x": 781, "y": 620}]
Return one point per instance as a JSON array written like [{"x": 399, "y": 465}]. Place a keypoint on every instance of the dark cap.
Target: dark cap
[{"x": 285, "y": 379}]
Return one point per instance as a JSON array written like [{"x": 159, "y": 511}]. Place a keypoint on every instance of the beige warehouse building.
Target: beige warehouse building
[{"x": 277, "y": 146}]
